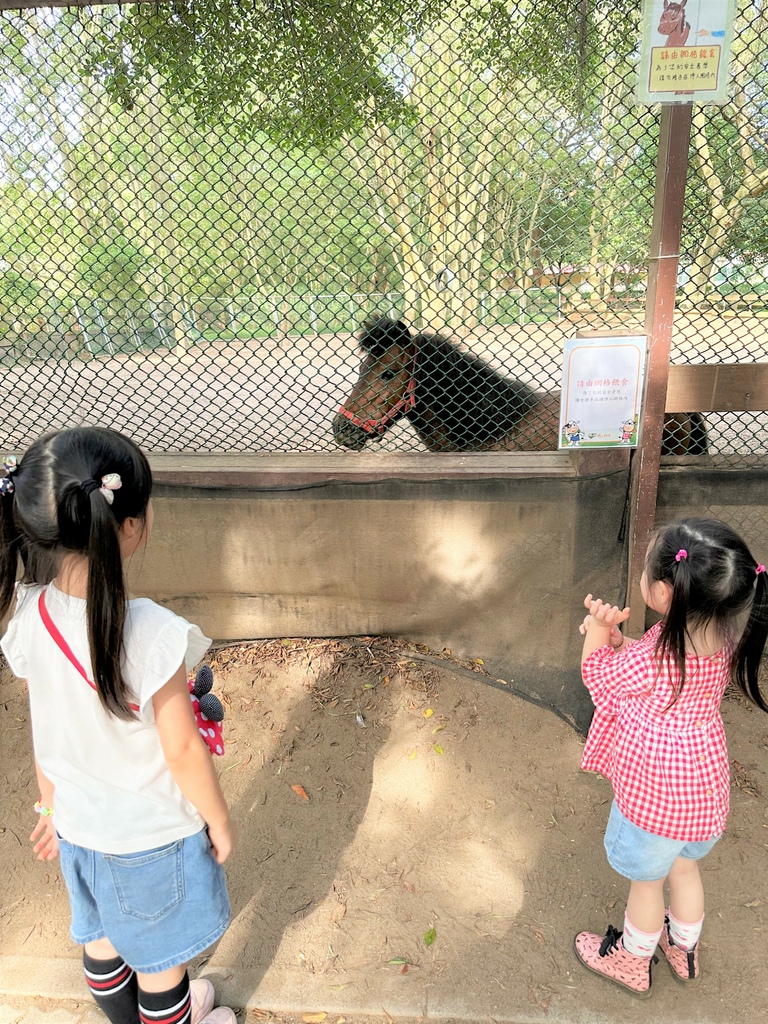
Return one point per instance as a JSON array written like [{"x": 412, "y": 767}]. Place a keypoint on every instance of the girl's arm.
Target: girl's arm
[
  {"x": 190, "y": 761},
  {"x": 44, "y": 840}
]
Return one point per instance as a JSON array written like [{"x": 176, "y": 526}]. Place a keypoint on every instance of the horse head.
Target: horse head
[
  {"x": 672, "y": 23},
  {"x": 385, "y": 389}
]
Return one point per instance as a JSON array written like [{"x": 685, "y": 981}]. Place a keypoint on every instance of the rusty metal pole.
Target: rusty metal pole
[{"x": 664, "y": 256}]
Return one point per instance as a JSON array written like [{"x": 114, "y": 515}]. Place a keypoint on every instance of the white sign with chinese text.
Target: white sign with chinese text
[
  {"x": 602, "y": 392},
  {"x": 684, "y": 51}
]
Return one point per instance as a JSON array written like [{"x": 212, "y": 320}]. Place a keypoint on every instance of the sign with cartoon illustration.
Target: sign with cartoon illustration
[
  {"x": 602, "y": 391},
  {"x": 684, "y": 51}
]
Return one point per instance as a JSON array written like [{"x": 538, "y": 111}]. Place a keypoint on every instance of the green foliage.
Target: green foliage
[{"x": 300, "y": 71}]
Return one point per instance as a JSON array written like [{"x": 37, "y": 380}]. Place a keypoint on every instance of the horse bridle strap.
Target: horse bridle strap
[{"x": 379, "y": 426}]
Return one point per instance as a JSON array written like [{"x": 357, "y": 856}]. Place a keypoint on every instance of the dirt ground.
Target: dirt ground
[{"x": 413, "y": 835}]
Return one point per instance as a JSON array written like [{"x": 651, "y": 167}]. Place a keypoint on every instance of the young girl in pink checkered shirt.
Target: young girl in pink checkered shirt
[{"x": 658, "y": 736}]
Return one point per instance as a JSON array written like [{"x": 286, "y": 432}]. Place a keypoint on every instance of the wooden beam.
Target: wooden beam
[
  {"x": 664, "y": 254},
  {"x": 731, "y": 387}
]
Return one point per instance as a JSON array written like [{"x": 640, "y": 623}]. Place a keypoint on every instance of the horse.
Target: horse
[
  {"x": 457, "y": 403},
  {"x": 673, "y": 25}
]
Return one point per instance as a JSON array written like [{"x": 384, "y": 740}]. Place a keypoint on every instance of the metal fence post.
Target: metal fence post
[{"x": 664, "y": 255}]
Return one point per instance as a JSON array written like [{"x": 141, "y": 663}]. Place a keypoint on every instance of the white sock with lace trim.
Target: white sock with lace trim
[
  {"x": 637, "y": 942},
  {"x": 684, "y": 935}
]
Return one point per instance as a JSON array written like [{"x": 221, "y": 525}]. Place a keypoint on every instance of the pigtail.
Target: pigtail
[
  {"x": 745, "y": 667},
  {"x": 674, "y": 630},
  {"x": 106, "y": 604},
  {"x": 10, "y": 545}
]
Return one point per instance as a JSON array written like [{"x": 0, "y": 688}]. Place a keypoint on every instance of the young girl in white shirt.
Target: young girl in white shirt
[{"x": 129, "y": 797}]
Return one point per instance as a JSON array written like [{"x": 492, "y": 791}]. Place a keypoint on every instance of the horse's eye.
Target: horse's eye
[{"x": 388, "y": 374}]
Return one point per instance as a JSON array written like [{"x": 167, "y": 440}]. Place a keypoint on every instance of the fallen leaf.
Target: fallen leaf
[
  {"x": 478, "y": 661},
  {"x": 753, "y": 903},
  {"x": 412, "y": 754},
  {"x": 428, "y": 713},
  {"x": 404, "y": 969},
  {"x": 399, "y": 960},
  {"x": 368, "y": 686},
  {"x": 429, "y": 937},
  {"x": 545, "y": 1003},
  {"x": 300, "y": 791},
  {"x": 531, "y": 998},
  {"x": 339, "y": 988},
  {"x": 539, "y": 936},
  {"x": 360, "y": 721},
  {"x": 244, "y": 762},
  {"x": 438, "y": 728},
  {"x": 438, "y": 749},
  {"x": 386, "y": 680},
  {"x": 313, "y": 1018},
  {"x": 409, "y": 886}
]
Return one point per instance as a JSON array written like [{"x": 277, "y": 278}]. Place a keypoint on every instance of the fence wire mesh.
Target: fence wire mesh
[{"x": 202, "y": 203}]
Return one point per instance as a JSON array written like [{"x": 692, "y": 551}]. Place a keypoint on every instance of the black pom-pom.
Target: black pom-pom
[
  {"x": 203, "y": 681},
  {"x": 211, "y": 707}
]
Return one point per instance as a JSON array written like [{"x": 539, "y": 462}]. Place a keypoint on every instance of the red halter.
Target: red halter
[{"x": 379, "y": 426}]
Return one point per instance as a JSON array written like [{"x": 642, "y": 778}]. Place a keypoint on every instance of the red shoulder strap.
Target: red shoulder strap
[{"x": 62, "y": 644}]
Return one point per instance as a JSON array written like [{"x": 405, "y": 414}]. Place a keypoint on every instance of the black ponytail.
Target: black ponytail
[
  {"x": 747, "y": 656},
  {"x": 10, "y": 543},
  {"x": 106, "y": 604},
  {"x": 671, "y": 642},
  {"x": 61, "y": 510}
]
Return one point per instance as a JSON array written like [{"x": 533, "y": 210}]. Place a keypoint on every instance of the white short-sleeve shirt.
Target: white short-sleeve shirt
[{"x": 113, "y": 789}]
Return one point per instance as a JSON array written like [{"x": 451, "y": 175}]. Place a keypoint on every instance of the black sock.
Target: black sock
[
  {"x": 171, "y": 1007},
  {"x": 115, "y": 988}
]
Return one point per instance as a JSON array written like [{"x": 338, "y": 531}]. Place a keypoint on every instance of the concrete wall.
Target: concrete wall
[{"x": 492, "y": 568}]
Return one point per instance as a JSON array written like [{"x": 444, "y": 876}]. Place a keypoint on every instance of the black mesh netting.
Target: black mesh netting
[{"x": 201, "y": 203}]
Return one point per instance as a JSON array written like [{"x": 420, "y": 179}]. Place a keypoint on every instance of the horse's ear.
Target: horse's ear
[{"x": 379, "y": 335}]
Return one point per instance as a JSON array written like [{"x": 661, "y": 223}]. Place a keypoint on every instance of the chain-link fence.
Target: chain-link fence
[{"x": 202, "y": 203}]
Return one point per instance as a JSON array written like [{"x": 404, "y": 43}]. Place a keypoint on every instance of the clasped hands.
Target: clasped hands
[{"x": 604, "y": 616}]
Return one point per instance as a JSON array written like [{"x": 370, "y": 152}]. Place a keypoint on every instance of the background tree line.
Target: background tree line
[{"x": 436, "y": 149}]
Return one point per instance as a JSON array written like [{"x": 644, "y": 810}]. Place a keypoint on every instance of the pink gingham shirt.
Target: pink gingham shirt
[{"x": 668, "y": 765}]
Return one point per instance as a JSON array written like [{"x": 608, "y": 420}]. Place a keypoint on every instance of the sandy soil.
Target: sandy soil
[{"x": 436, "y": 801}]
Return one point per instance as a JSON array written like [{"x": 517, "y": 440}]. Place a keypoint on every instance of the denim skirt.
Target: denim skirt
[
  {"x": 642, "y": 856},
  {"x": 158, "y": 908}
]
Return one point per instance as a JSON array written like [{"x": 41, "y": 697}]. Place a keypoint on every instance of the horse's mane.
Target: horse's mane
[{"x": 472, "y": 402}]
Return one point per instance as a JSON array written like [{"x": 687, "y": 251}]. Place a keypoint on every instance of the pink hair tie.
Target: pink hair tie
[
  {"x": 682, "y": 553},
  {"x": 759, "y": 569}
]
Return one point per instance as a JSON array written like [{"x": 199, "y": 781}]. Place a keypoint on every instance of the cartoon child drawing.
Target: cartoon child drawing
[
  {"x": 627, "y": 430},
  {"x": 572, "y": 431}
]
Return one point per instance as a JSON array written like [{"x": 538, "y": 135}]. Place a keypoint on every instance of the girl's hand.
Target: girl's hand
[
  {"x": 616, "y": 639},
  {"x": 47, "y": 845},
  {"x": 223, "y": 840},
  {"x": 606, "y": 616}
]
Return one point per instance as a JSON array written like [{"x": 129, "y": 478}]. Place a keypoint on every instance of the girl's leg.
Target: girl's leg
[
  {"x": 644, "y": 917},
  {"x": 679, "y": 942},
  {"x": 645, "y": 905},
  {"x": 686, "y": 892},
  {"x": 112, "y": 982}
]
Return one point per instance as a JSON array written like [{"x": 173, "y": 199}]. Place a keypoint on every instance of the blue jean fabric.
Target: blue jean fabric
[
  {"x": 642, "y": 856},
  {"x": 158, "y": 908}
]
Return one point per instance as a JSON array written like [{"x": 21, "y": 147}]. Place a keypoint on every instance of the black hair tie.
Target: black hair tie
[{"x": 89, "y": 486}]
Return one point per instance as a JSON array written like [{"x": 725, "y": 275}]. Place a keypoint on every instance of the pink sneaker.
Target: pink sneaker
[
  {"x": 607, "y": 956},
  {"x": 683, "y": 963},
  {"x": 221, "y": 1015},
  {"x": 201, "y": 993}
]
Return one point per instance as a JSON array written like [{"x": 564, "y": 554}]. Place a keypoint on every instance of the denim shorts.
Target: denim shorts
[
  {"x": 158, "y": 908},
  {"x": 642, "y": 856}
]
